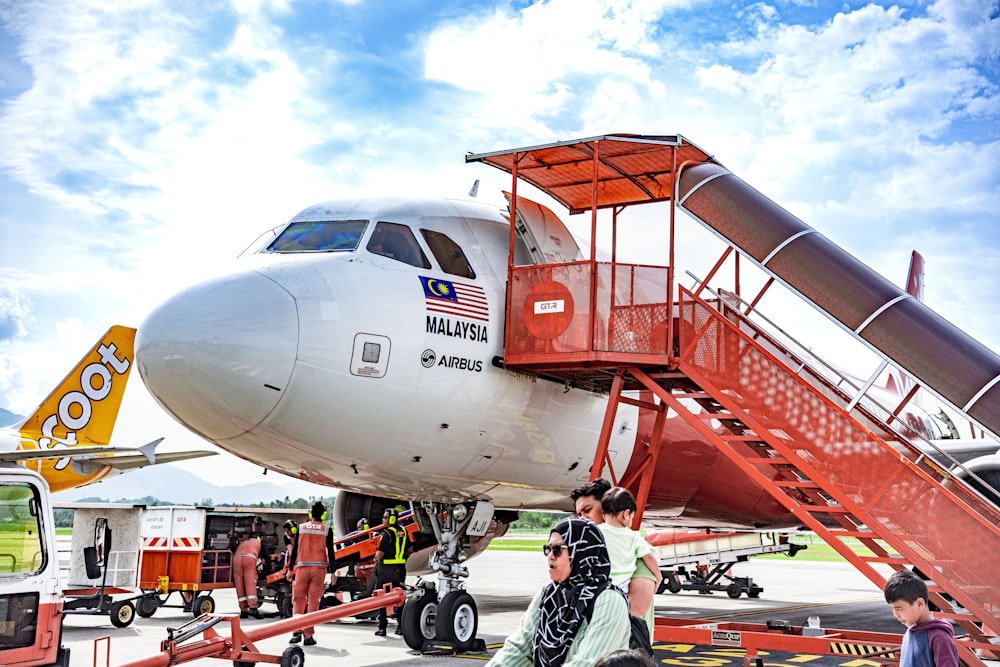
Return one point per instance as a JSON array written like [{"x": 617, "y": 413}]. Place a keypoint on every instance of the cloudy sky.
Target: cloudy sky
[{"x": 145, "y": 144}]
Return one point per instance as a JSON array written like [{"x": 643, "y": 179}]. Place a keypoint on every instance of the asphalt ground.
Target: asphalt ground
[{"x": 503, "y": 583}]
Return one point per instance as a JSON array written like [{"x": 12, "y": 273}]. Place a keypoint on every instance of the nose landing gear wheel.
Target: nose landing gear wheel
[
  {"x": 458, "y": 620},
  {"x": 419, "y": 620}
]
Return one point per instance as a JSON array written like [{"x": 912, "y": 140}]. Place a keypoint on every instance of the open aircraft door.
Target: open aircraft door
[{"x": 547, "y": 238}]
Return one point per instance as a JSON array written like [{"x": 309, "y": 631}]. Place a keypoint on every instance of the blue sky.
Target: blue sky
[{"x": 143, "y": 145}]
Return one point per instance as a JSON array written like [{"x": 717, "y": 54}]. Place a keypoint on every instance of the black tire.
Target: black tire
[
  {"x": 293, "y": 656},
  {"x": 122, "y": 613},
  {"x": 203, "y": 604},
  {"x": 147, "y": 605},
  {"x": 457, "y": 620},
  {"x": 673, "y": 584},
  {"x": 284, "y": 603},
  {"x": 419, "y": 619},
  {"x": 734, "y": 590}
]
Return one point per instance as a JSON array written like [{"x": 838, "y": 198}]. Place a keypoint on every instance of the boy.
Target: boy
[{"x": 929, "y": 641}]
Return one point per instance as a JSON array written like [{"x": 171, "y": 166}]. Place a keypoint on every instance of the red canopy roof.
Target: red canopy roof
[{"x": 631, "y": 169}]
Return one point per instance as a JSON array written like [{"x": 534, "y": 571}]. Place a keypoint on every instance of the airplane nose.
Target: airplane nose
[{"x": 219, "y": 355}]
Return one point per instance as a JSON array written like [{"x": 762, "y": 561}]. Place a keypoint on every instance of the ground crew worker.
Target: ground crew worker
[
  {"x": 245, "y": 574},
  {"x": 312, "y": 557},
  {"x": 390, "y": 565},
  {"x": 290, "y": 528}
]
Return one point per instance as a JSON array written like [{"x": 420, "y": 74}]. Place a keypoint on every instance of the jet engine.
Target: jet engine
[{"x": 987, "y": 469}]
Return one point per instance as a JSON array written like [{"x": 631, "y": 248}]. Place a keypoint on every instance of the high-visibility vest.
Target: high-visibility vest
[{"x": 399, "y": 557}]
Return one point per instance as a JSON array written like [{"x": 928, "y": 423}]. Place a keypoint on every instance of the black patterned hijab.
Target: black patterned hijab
[{"x": 566, "y": 604}]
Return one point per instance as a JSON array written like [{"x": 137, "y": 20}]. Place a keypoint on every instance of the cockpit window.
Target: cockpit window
[
  {"x": 397, "y": 242},
  {"x": 448, "y": 254},
  {"x": 320, "y": 236}
]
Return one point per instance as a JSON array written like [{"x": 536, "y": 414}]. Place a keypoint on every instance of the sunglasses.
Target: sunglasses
[{"x": 556, "y": 549}]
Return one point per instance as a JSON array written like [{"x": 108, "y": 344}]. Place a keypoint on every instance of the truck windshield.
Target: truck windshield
[
  {"x": 319, "y": 236},
  {"x": 20, "y": 533}
]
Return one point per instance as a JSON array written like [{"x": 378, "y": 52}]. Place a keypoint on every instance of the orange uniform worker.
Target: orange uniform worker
[
  {"x": 245, "y": 575},
  {"x": 312, "y": 557}
]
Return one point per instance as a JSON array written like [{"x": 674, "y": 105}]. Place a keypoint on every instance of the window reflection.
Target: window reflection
[
  {"x": 397, "y": 242},
  {"x": 320, "y": 236},
  {"x": 448, "y": 254}
]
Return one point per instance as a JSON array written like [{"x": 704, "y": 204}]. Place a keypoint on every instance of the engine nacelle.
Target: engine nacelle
[
  {"x": 987, "y": 468},
  {"x": 351, "y": 507}
]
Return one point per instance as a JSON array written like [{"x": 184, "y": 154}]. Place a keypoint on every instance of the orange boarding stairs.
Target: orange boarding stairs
[
  {"x": 842, "y": 472},
  {"x": 821, "y": 454}
]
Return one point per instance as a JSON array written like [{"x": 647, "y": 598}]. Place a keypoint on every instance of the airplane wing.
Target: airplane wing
[
  {"x": 125, "y": 462},
  {"x": 119, "y": 458}
]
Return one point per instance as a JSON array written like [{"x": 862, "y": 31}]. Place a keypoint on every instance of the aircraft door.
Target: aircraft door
[{"x": 547, "y": 238}]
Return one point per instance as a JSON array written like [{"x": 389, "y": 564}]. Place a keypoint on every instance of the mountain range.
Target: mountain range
[{"x": 171, "y": 484}]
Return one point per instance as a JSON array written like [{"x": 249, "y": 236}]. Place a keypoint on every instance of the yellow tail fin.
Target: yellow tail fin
[{"x": 84, "y": 406}]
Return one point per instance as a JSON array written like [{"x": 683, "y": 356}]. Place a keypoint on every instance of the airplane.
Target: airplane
[
  {"x": 66, "y": 438},
  {"x": 360, "y": 346}
]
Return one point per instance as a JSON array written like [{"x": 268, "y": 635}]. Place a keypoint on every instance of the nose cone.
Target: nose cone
[{"x": 219, "y": 355}]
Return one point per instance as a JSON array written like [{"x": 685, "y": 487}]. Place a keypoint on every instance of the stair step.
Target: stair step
[
  {"x": 771, "y": 460},
  {"x": 804, "y": 484},
  {"x": 826, "y": 509}
]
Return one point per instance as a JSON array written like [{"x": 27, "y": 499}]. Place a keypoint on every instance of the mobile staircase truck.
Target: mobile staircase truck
[{"x": 31, "y": 599}]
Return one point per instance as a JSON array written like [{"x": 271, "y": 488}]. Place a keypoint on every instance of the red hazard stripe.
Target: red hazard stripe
[{"x": 187, "y": 542}]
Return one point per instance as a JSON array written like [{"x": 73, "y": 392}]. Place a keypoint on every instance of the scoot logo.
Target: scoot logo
[{"x": 77, "y": 407}]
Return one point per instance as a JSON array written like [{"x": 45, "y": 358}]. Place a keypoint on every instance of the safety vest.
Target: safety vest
[
  {"x": 311, "y": 549},
  {"x": 399, "y": 557}
]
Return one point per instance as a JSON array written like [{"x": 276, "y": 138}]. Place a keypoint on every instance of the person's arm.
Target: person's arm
[
  {"x": 942, "y": 646},
  {"x": 331, "y": 554},
  {"x": 654, "y": 567},
  {"x": 290, "y": 566},
  {"x": 516, "y": 650},
  {"x": 608, "y": 630},
  {"x": 383, "y": 546}
]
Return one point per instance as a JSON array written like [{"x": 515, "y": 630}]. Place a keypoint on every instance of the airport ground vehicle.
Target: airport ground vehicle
[
  {"x": 698, "y": 560},
  {"x": 176, "y": 556},
  {"x": 31, "y": 600}
]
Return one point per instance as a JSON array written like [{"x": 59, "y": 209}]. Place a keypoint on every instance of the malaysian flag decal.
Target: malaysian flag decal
[{"x": 455, "y": 299}]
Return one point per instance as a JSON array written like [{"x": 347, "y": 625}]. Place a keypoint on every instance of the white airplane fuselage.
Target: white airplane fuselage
[{"x": 268, "y": 364}]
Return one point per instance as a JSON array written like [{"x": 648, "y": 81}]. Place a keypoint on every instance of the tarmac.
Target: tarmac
[{"x": 503, "y": 583}]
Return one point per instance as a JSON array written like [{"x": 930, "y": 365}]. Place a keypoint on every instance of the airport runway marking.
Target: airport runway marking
[{"x": 695, "y": 655}]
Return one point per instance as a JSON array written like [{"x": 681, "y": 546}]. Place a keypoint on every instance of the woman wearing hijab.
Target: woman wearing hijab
[{"x": 577, "y": 618}]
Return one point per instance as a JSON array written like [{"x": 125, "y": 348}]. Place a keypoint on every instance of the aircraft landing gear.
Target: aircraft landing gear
[{"x": 448, "y": 615}]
